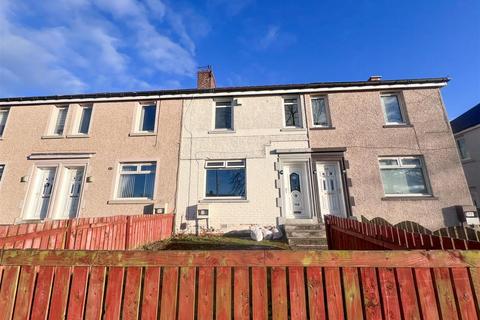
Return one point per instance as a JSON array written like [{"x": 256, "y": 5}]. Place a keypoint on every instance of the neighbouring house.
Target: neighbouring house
[
  {"x": 227, "y": 158},
  {"x": 466, "y": 129},
  {"x": 87, "y": 155}
]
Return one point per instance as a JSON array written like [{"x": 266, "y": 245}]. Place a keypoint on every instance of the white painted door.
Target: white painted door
[
  {"x": 42, "y": 193},
  {"x": 296, "y": 191},
  {"x": 330, "y": 188},
  {"x": 74, "y": 179}
]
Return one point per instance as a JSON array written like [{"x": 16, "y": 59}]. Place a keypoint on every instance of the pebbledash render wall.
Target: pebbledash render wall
[
  {"x": 359, "y": 126},
  {"x": 109, "y": 142},
  {"x": 257, "y": 132}
]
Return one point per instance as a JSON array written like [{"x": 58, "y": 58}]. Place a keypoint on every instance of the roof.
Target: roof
[
  {"x": 467, "y": 120},
  {"x": 229, "y": 89}
]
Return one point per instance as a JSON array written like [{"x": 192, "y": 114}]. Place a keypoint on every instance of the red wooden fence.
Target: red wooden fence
[
  {"x": 99, "y": 233},
  {"x": 349, "y": 234},
  {"x": 241, "y": 285}
]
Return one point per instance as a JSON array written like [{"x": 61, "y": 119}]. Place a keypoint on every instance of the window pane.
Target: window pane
[
  {"x": 1, "y": 171},
  {"x": 392, "y": 109},
  {"x": 239, "y": 163},
  {"x": 215, "y": 164},
  {"x": 223, "y": 103},
  {"x": 292, "y": 116},
  {"x": 225, "y": 183},
  {"x": 223, "y": 118},
  {"x": 411, "y": 162},
  {"x": 61, "y": 118},
  {"x": 462, "y": 149},
  {"x": 319, "y": 111},
  {"x": 136, "y": 185},
  {"x": 388, "y": 162},
  {"x": 404, "y": 181},
  {"x": 129, "y": 168},
  {"x": 148, "y": 167},
  {"x": 148, "y": 118},
  {"x": 3, "y": 120},
  {"x": 85, "y": 120}
]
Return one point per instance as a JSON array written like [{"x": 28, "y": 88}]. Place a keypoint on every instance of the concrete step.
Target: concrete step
[
  {"x": 310, "y": 247},
  {"x": 306, "y": 234},
  {"x": 290, "y": 227},
  {"x": 307, "y": 241}
]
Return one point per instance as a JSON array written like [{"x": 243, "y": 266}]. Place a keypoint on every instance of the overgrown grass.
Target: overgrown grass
[{"x": 214, "y": 242}]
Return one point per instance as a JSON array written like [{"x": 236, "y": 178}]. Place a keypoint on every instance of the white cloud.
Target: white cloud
[{"x": 69, "y": 46}]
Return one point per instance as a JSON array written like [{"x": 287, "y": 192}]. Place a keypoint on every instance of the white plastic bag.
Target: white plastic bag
[
  {"x": 267, "y": 234},
  {"x": 256, "y": 234}
]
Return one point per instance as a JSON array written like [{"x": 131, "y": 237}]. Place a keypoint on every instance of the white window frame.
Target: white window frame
[
  {"x": 138, "y": 171},
  {"x": 53, "y": 121},
  {"x": 458, "y": 141},
  {"x": 214, "y": 114},
  {"x": 7, "y": 111},
  {"x": 300, "y": 113},
  {"x": 327, "y": 111},
  {"x": 138, "y": 121},
  {"x": 78, "y": 119},
  {"x": 400, "y": 165},
  {"x": 225, "y": 164},
  {"x": 401, "y": 106}
]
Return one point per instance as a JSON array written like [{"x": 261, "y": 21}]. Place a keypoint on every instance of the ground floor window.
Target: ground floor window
[
  {"x": 403, "y": 176},
  {"x": 136, "y": 180},
  {"x": 225, "y": 178}
]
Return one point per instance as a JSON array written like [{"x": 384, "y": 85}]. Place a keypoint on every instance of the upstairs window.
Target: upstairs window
[
  {"x": 462, "y": 149},
  {"x": 392, "y": 109},
  {"x": 84, "y": 120},
  {"x": 60, "y": 119},
  {"x": 3, "y": 120},
  {"x": 320, "y": 112},
  {"x": 2, "y": 168},
  {"x": 225, "y": 179},
  {"x": 292, "y": 115},
  {"x": 223, "y": 115},
  {"x": 136, "y": 180},
  {"x": 403, "y": 176},
  {"x": 148, "y": 114}
]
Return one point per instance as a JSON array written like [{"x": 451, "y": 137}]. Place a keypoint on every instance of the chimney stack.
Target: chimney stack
[
  {"x": 375, "y": 78},
  {"x": 205, "y": 78}
]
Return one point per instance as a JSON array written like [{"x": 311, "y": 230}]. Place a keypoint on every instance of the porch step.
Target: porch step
[{"x": 306, "y": 236}]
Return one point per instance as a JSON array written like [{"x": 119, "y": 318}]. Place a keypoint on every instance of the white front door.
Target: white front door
[
  {"x": 42, "y": 193},
  {"x": 69, "y": 194},
  {"x": 296, "y": 191},
  {"x": 330, "y": 188}
]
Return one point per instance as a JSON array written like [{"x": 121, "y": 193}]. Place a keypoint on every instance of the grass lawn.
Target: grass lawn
[{"x": 214, "y": 242}]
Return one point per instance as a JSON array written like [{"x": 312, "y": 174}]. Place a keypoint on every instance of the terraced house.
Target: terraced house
[{"x": 227, "y": 158}]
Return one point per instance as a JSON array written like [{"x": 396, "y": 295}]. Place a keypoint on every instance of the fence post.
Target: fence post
[
  {"x": 127, "y": 233},
  {"x": 68, "y": 232}
]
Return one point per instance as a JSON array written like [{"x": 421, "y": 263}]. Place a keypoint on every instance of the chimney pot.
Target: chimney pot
[
  {"x": 375, "y": 78},
  {"x": 205, "y": 78}
]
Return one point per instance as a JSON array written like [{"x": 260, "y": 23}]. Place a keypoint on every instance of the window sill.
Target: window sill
[
  {"x": 322, "y": 128},
  {"x": 142, "y": 134},
  {"x": 220, "y": 131},
  {"x": 404, "y": 125},
  {"x": 53, "y": 137},
  {"x": 293, "y": 129},
  {"x": 223, "y": 201},
  {"x": 75, "y": 136},
  {"x": 408, "y": 198},
  {"x": 132, "y": 201}
]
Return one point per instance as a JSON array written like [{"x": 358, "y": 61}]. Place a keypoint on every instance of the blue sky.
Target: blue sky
[{"x": 76, "y": 46}]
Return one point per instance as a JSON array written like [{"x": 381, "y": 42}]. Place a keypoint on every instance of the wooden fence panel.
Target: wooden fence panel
[
  {"x": 100, "y": 233},
  {"x": 348, "y": 234},
  {"x": 267, "y": 285}
]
